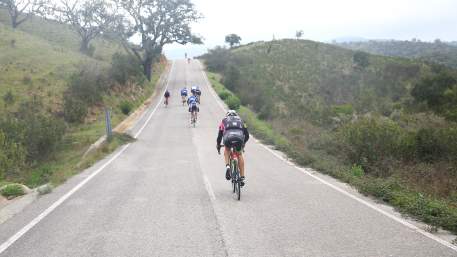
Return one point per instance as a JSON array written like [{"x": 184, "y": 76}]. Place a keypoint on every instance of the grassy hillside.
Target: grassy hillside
[
  {"x": 351, "y": 115},
  {"x": 39, "y": 65},
  {"x": 438, "y": 52}
]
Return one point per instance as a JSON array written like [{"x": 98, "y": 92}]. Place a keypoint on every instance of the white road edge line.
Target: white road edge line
[
  {"x": 5, "y": 245},
  {"x": 358, "y": 199},
  {"x": 209, "y": 188}
]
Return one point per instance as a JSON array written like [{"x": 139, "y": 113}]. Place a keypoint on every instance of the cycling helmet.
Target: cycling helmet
[{"x": 231, "y": 113}]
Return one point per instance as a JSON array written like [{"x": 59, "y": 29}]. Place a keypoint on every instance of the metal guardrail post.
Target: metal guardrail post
[{"x": 109, "y": 130}]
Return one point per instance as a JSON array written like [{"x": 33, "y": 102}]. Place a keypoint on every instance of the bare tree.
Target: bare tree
[
  {"x": 22, "y": 10},
  {"x": 89, "y": 18},
  {"x": 299, "y": 34},
  {"x": 157, "y": 23}
]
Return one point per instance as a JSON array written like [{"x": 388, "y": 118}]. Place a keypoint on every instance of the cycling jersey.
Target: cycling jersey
[
  {"x": 184, "y": 92},
  {"x": 192, "y": 99}
]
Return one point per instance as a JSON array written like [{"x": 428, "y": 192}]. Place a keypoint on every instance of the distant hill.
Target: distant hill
[
  {"x": 349, "y": 39},
  {"x": 39, "y": 56},
  {"x": 298, "y": 79},
  {"x": 438, "y": 52}
]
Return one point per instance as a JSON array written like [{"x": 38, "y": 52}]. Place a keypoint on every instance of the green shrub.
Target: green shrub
[
  {"x": 8, "y": 98},
  {"x": 233, "y": 102},
  {"x": 344, "y": 109},
  {"x": 12, "y": 190},
  {"x": 74, "y": 109},
  {"x": 89, "y": 84},
  {"x": 224, "y": 94},
  {"x": 40, "y": 176},
  {"x": 436, "y": 144},
  {"x": 125, "y": 68},
  {"x": 41, "y": 131},
  {"x": 125, "y": 107},
  {"x": 371, "y": 140},
  {"x": 12, "y": 156},
  {"x": 357, "y": 171}
]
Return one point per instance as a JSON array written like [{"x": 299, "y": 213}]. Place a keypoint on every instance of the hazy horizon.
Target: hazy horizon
[{"x": 321, "y": 21}]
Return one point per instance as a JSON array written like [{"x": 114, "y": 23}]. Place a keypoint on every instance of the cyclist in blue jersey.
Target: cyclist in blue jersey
[
  {"x": 193, "y": 107},
  {"x": 184, "y": 95}
]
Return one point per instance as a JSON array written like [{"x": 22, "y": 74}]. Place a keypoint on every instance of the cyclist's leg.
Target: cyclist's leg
[
  {"x": 227, "y": 163},
  {"x": 241, "y": 164},
  {"x": 227, "y": 156}
]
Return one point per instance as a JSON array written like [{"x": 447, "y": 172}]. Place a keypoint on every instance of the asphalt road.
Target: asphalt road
[{"x": 166, "y": 195}]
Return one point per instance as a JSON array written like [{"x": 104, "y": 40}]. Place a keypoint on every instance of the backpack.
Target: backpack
[
  {"x": 233, "y": 122},
  {"x": 233, "y": 134}
]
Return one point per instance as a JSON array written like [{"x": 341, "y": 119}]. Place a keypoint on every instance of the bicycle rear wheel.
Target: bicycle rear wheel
[
  {"x": 238, "y": 190},
  {"x": 236, "y": 180}
]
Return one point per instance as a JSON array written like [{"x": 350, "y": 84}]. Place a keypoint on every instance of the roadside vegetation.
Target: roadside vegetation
[
  {"x": 63, "y": 63},
  {"x": 386, "y": 125},
  {"x": 53, "y": 96}
]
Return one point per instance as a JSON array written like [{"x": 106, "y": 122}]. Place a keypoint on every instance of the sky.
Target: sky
[{"x": 321, "y": 20}]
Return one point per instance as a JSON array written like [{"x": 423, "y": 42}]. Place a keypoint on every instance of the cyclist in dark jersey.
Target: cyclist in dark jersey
[{"x": 235, "y": 134}]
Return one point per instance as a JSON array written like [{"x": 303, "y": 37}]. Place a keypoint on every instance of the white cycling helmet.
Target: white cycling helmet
[{"x": 231, "y": 113}]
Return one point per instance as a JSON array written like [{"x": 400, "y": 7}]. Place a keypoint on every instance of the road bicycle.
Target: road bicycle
[{"x": 235, "y": 172}]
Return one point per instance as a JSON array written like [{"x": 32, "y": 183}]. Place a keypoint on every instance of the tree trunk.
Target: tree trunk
[
  {"x": 14, "y": 22},
  {"x": 147, "y": 68},
  {"x": 84, "y": 48}
]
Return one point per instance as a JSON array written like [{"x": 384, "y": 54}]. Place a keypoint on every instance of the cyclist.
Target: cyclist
[
  {"x": 193, "y": 107},
  {"x": 235, "y": 134},
  {"x": 166, "y": 95},
  {"x": 193, "y": 89},
  {"x": 184, "y": 95},
  {"x": 198, "y": 93}
]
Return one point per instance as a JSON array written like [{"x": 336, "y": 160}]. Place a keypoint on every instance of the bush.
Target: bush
[
  {"x": 370, "y": 140},
  {"x": 8, "y": 98},
  {"x": 89, "y": 84},
  {"x": 224, "y": 94},
  {"x": 436, "y": 144},
  {"x": 233, "y": 102},
  {"x": 12, "y": 190},
  {"x": 125, "y": 107},
  {"x": 357, "y": 171},
  {"x": 361, "y": 59},
  {"x": 39, "y": 176},
  {"x": 344, "y": 109},
  {"x": 74, "y": 109},
  {"x": 125, "y": 68},
  {"x": 12, "y": 156}
]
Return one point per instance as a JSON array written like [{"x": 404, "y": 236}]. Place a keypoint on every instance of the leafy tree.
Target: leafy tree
[
  {"x": 299, "y": 34},
  {"x": 157, "y": 23},
  {"x": 217, "y": 59},
  {"x": 89, "y": 18},
  {"x": 232, "y": 40},
  {"x": 22, "y": 10},
  {"x": 361, "y": 59},
  {"x": 439, "y": 92}
]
